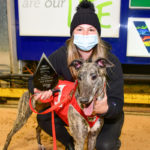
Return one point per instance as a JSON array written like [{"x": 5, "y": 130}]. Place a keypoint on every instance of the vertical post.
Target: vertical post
[{"x": 12, "y": 36}]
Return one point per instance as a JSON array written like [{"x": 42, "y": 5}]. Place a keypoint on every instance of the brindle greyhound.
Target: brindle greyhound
[{"x": 91, "y": 87}]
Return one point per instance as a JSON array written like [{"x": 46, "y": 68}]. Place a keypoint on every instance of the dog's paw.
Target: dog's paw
[{"x": 41, "y": 147}]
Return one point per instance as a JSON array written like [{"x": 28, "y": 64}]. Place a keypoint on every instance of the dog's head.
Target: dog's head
[{"x": 91, "y": 81}]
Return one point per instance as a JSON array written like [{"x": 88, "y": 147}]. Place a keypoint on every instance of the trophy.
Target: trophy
[{"x": 45, "y": 76}]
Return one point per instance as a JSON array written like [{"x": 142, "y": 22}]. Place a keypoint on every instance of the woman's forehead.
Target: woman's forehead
[{"x": 85, "y": 26}]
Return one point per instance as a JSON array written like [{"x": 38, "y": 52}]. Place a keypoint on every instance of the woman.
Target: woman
[{"x": 85, "y": 43}]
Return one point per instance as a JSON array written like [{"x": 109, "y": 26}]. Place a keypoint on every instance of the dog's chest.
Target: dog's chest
[{"x": 96, "y": 126}]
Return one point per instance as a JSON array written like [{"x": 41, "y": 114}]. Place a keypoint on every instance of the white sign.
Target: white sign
[
  {"x": 138, "y": 42},
  {"x": 53, "y": 17}
]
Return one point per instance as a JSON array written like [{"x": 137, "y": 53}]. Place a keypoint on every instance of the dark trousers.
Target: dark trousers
[{"x": 108, "y": 139}]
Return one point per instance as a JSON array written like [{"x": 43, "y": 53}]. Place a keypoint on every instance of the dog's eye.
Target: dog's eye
[
  {"x": 79, "y": 78},
  {"x": 94, "y": 77}
]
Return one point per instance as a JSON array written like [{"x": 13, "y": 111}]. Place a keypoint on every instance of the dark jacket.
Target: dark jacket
[{"x": 114, "y": 88}]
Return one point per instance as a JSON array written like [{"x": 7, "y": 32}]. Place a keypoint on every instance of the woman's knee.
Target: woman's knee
[
  {"x": 108, "y": 145},
  {"x": 103, "y": 146}
]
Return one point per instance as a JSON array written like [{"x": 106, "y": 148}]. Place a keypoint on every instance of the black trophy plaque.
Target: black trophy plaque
[{"x": 45, "y": 76}]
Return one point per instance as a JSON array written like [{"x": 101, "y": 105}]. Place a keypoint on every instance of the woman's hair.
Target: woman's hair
[{"x": 100, "y": 50}]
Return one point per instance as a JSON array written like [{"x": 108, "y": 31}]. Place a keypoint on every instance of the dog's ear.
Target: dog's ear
[
  {"x": 77, "y": 64},
  {"x": 104, "y": 63}
]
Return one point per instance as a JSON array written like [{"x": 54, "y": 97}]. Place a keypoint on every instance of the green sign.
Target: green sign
[{"x": 140, "y": 4}]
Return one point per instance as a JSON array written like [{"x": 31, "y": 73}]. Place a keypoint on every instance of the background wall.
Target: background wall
[
  {"x": 4, "y": 44},
  {"x": 31, "y": 47}
]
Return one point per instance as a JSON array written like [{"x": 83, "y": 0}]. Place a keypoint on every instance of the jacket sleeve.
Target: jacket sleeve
[{"x": 115, "y": 91}]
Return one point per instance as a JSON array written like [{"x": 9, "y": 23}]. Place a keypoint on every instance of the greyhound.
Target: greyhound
[{"x": 91, "y": 86}]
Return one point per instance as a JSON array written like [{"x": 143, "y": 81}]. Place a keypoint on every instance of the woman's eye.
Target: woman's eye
[
  {"x": 92, "y": 30},
  {"x": 79, "y": 29}
]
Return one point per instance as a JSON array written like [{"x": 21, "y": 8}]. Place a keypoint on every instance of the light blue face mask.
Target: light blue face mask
[{"x": 85, "y": 42}]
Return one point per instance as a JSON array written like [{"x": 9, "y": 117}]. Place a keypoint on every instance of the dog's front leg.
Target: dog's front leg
[
  {"x": 78, "y": 128},
  {"x": 38, "y": 137},
  {"x": 94, "y": 133}
]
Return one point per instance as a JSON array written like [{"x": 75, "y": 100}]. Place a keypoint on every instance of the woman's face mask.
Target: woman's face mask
[{"x": 85, "y": 42}]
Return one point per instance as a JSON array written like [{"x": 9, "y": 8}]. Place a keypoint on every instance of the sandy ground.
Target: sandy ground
[{"x": 135, "y": 134}]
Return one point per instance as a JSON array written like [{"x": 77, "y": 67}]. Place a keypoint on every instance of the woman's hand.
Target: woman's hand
[
  {"x": 42, "y": 94},
  {"x": 101, "y": 106}
]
